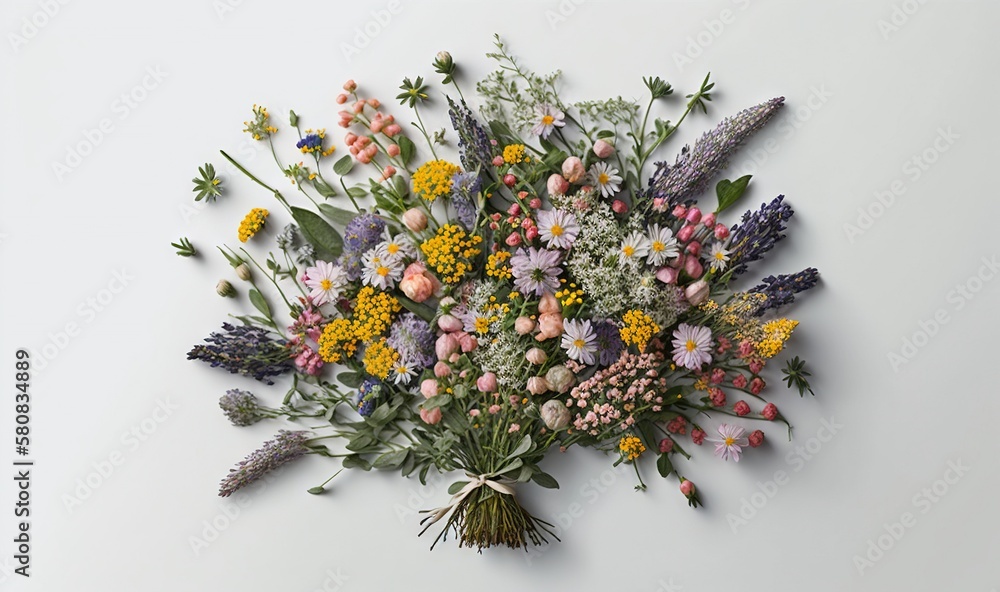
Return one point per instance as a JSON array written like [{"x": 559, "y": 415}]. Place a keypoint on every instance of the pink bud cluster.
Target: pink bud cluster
[
  {"x": 365, "y": 112},
  {"x": 614, "y": 394}
]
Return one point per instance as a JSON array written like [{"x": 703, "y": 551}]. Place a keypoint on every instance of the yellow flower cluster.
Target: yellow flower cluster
[
  {"x": 337, "y": 341},
  {"x": 449, "y": 251},
  {"x": 569, "y": 295},
  {"x": 776, "y": 333},
  {"x": 252, "y": 223},
  {"x": 631, "y": 447},
  {"x": 379, "y": 359},
  {"x": 496, "y": 265},
  {"x": 433, "y": 179},
  {"x": 638, "y": 330},
  {"x": 514, "y": 154},
  {"x": 259, "y": 128},
  {"x": 740, "y": 313},
  {"x": 372, "y": 316}
]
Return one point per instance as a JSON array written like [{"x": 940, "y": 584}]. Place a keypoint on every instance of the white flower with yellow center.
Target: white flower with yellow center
[
  {"x": 558, "y": 228},
  {"x": 399, "y": 246},
  {"x": 662, "y": 245},
  {"x": 326, "y": 281},
  {"x": 403, "y": 372},
  {"x": 605, "y": 178},
  {"x": 548, "y": 118},
  {"x": 381, "y": 270},
  {"x": 635, "y": 246},
  {"x": 579, "y": 340},
  {"x": 718, "y": 257}
]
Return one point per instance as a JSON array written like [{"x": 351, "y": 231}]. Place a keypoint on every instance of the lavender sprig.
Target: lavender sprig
[
  {"x": 246, "y": 350},
  {"x": 696, "y": 166},
  {"x": 781, "y": 290},
  {"x": 286, "y": 446},
  {"x": 757, "y": 233},
  {"x": 473, "y": 141}
]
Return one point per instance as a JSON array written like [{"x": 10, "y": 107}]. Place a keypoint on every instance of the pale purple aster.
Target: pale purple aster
[
  {"x": 464, "y": 190},
  {"x": 240, "y": 407},
  {"x": 360, "y": 235},
  {"x": 696, "y": 166},
  {"x": 558, "y": 228},
  {"x": 414, "y": 339},
  {"x": 692, "y": 346},
  {"x": 536, "y": 270},
  {"x": 547, "y": 119},
  {"x": 730, "y": 443},
  {"x": 579, "y": 340},
  {"x": 285, "y": 447}
]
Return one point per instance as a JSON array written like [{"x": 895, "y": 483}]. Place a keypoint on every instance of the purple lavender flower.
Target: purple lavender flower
[
  {"x": 368, "y": 394},
  {"x": 536, "y": 270},
  {"x": 414, "y": 339},
  {"x": 361, "y": 234},
  {"x": 609, "y": 343},
  {"x": 757, "y": 233},
  {"x": 781, "y": 290},
  {"x": 473, "y": 141},
  {"x": 464, "y": 188},
  {"x": 285, "y": 447},
  {"x": 696, "y": 166},
  {"x": 240, "y": 407},
  {"x": 247, "y": 350}
]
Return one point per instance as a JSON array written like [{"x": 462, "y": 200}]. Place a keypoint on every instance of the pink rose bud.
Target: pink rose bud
[
  {"x": 679, "y": 211},
  {"x": 556, "y": 184},
  {"x": 350, "y": 138},
  {"x": 536, "y": 356},
  {"x": 358, "y": 106},
  {"x": 429, "y": 388},
  {"x": 756, "y": 385},
  {"x": 697, "y": 292},
  {"x": 392, "y": 130},
  {"x": 746, "y": 348},
  {"x": 535, "y": 203},
  {"x": 376, "y": 125},
  {"x": 341, "y": 99},
  {"x": 414, "y": 219},
  {"x": 740, "y": 382},
  {"x": 741, "y": 408},
  {"x": 548, "y": 304},
  {"x": 537, "y": 385},
  {"x": 371, "y": 150},
  {"x": 417, "y": 287},
  {"x": 497, "y": 161},
  {"x": 693, "y": 216},
  {"x": 392, "y": 150},
  {"x": 718, "y": 375},
  {"x": 388, "y": 172},
  {"x": 756, "y": 438},
  {"x": 350, "y": 85},
  {"x": 550, "y": 325},
  {"x": 514, "y": 209},
  {"x": 603, "y": 149},
  {"x": 659, "y": 204},
  {"x": 693, "y": 267},
  {"x": 572, "y": 169},
  {"x": 666, "y": 445},
  {"x": 468, "y": 343},
  {"x": 717, "y": 397},
  {"x": 698, "y": 436},
  {"x": 449, "y": 324},
  {"x": 524, "y": 325},
  {"x": 364, "y": 158},
  {"x": 454, "y": 358},
  {"x": 770, "y": 412},
  {"x": 446, "y": 345},
  {"x": 509, "y": 180},
  {"x": 667, "y": 275},
  {"x": 708, "y": 220},
  {"x": 431, "y": 417},
  {"x": 685, "y": 233},
  {"x": 721, "y": 231},
  {"x": 487, "y": 383},
  {"x": 756, "y": 366},
  {"x": 513, "y": 239},
  {"x": 441, "y": 370},
  {"x": 619, "y": 206},
  {"x": 687, "y": 488},
  {"x": 374, "y": 103},
  {"x": 531, "y": 233},
  {"x": 693, "y": 247}
]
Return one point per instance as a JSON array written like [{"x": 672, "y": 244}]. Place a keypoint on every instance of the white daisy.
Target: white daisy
[
  {"x": 548, "y": 118},
  {"x": 730, "y": 442},
  {"x": 381, "y": 270},
  {"x": 719, "y": 257},
  {"x": 662, "y": 245},
  {"x": 403, "y": 372},
  {"x": 579, "y": 340},
  {"x": 557, "y": 228},
  {"x": 326, "y": 281},
  {"x": 398, "y": 246},
  {"x": 692, "y": 346},
  {"x": 605, "y": 177},
  {"x": 634, "y": 247}
]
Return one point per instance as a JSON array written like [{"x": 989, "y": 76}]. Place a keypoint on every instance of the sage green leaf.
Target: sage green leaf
[
  {"x": 390, "y": 460},
  {"x": 257, "y": 299},
  {"x": 523, "y": 446},
  {"x": 545, "y": 480},
  {"x": 664, "y": 466},
  {"x": 324, "y": 239},
  {"x": 355, "y": 461},
  {"x": 337, "y": 215},
  {"x": 324, "y": 188},
  {"x": 406, "y": 149},
  {"x": 729, "y": 192},
  {"x": 456, "y": 487},
  {"x": 344, "y": 165}
]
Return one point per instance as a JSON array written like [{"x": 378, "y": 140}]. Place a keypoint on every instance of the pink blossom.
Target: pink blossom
[
  {"x": 687, "y": 488},
  {"x": 666, "y": 445},
  {"x": 619, "y": 207},
  {"x": 431, "y": 417},
  {"x": 513, "y": 239},
  {"x": 573, "y": 169},
  {"x": 446, "y": 345},
  {"x": 557, "y": 185},
  {"x": 685, "y": 233},
  {"x": 549, "y": 325},
  {"x": 756, "y": 366},
  {"x": 441, "y": 369},
  {"x": 746, "y": 348},
  {"x": 514, "y": 427},
  {"x": 537, "y": 385},
  {"x": 494, "y": 409},
  {"x": 693, "y": 216},
  {"x": 392, "y": 150},
  {"x": 740, "y": 381},
  {"x": 741, "y": 408},
  {"x": 429, "y": 388},
  {"x": 468, "y": 343},
  {"x": 756, "y": 385},
  {"x": 524, "y": 325},
  {"x": 487, "y": 383},
  {"x": 721, "y": 231},
  {"x": 350, "y": 85},
  {"x": 698, "y": 436},
  {"x": 449, "y": 324},
  {"x": 756, "y": 438},
  {"x": 718, "y": 375},
  {"x": 770, "y": 412},
  {"x": 603, "y": 149},
  {"x": 474, "y": 412},
  {"x": 677, "y": 425},
  {"x": 717, "y": 397}
]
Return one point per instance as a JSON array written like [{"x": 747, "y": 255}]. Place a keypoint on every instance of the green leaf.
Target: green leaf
[
  {"x": 545, "y": 480},
  {"x": 344, "y": 165},
  {"x": 421, "y": 310},
  {"x": 523, "y": 446},
  {"x": 293, "y": 119},
  {"x": 729, "y": 192},
  {"x": 319, "y": 233},
  {"x": 338, "y": 215},
  {"x": 401, "y": 187},
  {"x": 382, "y": 415},
  {"x": 351, "y": 379},
  {"x": 357, "y": 192},
  {"x": 390, "y": 460},
  {"x": 355, "y": 461},
  {"x": 664, "y": 466},
  {"x": 437, "y": 401},
  {"x": 516, "y": 464},
  {"x": 316, "y": 490},
  {"x": 406, "y": 149},
  {"x": 360, "y": 441},
  {"x": 257, "y": 299},
  {"x": 456, "y": 487},
  {"x": 605, "y": 134},
  {"x": 324, "y": 188}
]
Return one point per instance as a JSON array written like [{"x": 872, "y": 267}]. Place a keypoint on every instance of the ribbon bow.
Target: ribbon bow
[{"x": 502, "y": 485}]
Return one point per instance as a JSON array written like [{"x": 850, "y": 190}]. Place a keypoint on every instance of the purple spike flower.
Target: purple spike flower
[
  {"x": 240, "y": 407},
  {"x": 246, "y": 350},
  {"x": 757, "y": 233},
  {"x": 781, "y": 290},
  {"x": 696, "y": 166},
  {"x": 285, "y": 447},
  {"x": 473, "y": 141}
]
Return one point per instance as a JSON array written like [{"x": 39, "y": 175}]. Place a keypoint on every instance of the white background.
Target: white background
[{"x": 864, "y": 101}]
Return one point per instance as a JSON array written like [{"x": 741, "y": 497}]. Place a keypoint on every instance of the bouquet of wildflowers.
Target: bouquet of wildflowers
[{"x": 545, "y": 285}]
